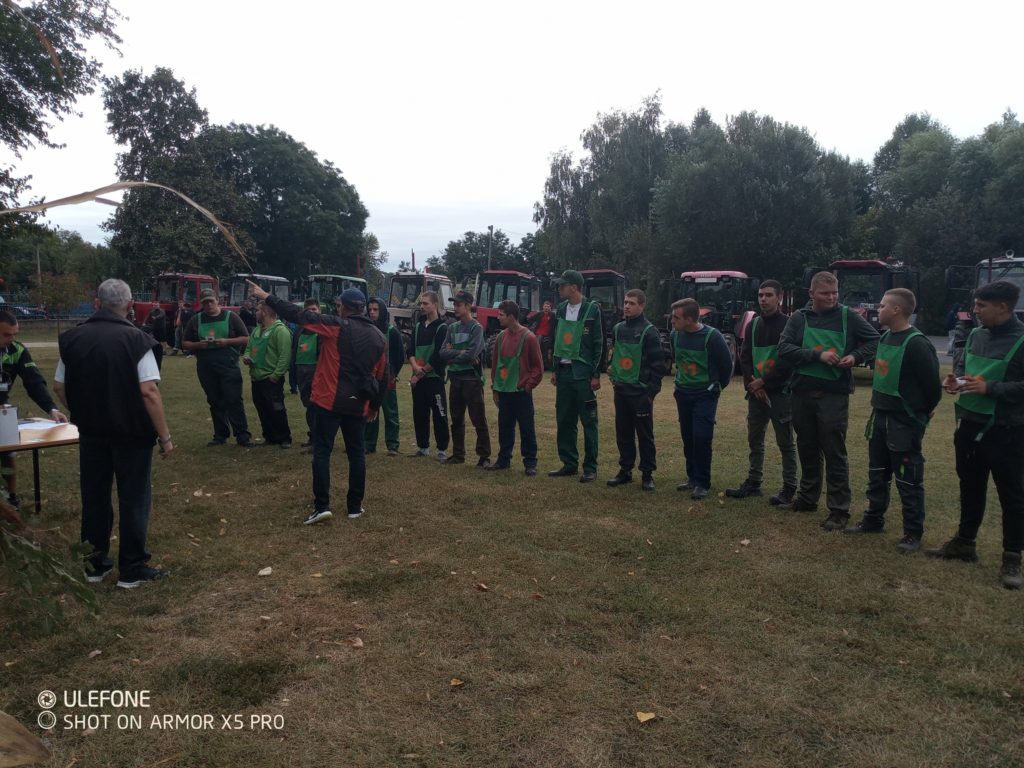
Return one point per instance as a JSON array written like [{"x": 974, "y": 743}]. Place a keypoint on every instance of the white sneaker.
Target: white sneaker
[
  {"x": 441, "y": 455},
  {"x": 316, "y": 516}
]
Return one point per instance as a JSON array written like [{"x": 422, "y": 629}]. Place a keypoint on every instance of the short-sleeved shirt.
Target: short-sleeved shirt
[{"x": 147, "y": 368}]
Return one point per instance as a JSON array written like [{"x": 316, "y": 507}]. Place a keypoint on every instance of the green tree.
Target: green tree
[
  {"x": 155, "y": 117},
  {"x": 286, "y": 206},
  {"x": 45, "y": 67},
  {"x": 464, "y": 258}
]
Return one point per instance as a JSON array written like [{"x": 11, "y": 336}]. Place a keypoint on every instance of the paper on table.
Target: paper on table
[{"x": 37, "y": 425}]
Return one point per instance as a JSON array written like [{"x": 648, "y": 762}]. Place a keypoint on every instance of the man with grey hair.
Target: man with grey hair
[{"x": 107, "y": 376}]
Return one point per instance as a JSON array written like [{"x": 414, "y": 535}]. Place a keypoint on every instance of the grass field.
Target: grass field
[{"x": 564, "y": 609}]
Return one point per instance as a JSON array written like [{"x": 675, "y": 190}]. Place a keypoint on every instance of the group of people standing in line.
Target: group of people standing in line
[{"x": 797, "y": 373}]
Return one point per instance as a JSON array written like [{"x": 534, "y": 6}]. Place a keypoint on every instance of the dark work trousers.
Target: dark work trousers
[
  {"x": 546, "y": 347},
  {"x": 697, "y": 412},
  {"x": 634, "y": 423},
  {"x": 221, "y": 380},
  {"x": 268, "y": 397},
  {"x": 894, "y": 449},
  {"x": 429, "y": 401},
  {"x": 780, "y": 415},
  {"x": 325, "y": 428},
  {"x": 304, "y": 373},
  {"x": 100, "y": 462},
  {"x": 1001, "y": 454},
  {"x": 820, "y": 420},
  {"x": 516, "y": 408},
  {"x": 467, "y": 393},
  {"x": 575, "y": 404}
]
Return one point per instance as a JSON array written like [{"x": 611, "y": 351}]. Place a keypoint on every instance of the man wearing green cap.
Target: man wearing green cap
[
  {"x": 578, "y": 359},
  {"x": 216, "y": 336}
]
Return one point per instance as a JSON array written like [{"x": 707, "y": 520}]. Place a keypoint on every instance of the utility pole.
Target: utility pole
[{"x": 490, "y": 235}]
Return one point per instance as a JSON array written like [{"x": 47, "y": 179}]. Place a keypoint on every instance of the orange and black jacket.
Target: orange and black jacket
[{"x": 352, "y": 372}]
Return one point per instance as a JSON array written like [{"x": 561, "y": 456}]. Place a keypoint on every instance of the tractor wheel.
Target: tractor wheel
[
  {"x": 730, "y": 341},
  {"x": 489, "y": 346}
]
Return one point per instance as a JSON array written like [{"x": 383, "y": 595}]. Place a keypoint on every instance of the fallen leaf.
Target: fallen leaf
[
  {"x": 94, "y": 654},
  {"x": 225, "y": 522},
  {"x": 10, "y": 663},
  {"x": 222, "y": 531},
  {"x": 198, "y": 494},
  {"x": 644, "y": 717},
  {"x": 481, "y": 587},
  {"x": 264, "y": 618},
  {"x": 207, "y": 495},
  {"x": 228, "y": 493},
  {"x": 356, "y": 642},
  {"x": 119, "y": 636},
  {"x": 665, "y": 637},
  {"x": 744, "y": 542},
  {"x": 265, "y": 571},
  {"x": 318, "y": 575},
  {"x": 393, "y": 562},
  {"x": 650, "y": 543},
  {"x": 536, "y": 596},
  {"x": 455, "y": 683},
  {"x": 690, "y": 509}
]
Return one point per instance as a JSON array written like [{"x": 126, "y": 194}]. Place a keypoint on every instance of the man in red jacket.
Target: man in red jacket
[
  {"x": 351, "y": 378},
  {"x": 516, "y": 370}
]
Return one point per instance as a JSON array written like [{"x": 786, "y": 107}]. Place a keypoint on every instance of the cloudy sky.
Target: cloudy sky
[{"x": 444, "y": 115}]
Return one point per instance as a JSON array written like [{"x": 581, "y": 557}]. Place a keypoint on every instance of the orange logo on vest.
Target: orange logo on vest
[
  {"x": 766, "y": 366},
  {"x": 882, "y": 366},
  {"x": 304, "y": 347},
  {"x": 689, "y": 369},
  {"x": 626, "y": 363},
  {"x": 503, "y": 373},
  {"x": 567, "y": 338},
  {"x": 420, "y": 361}
]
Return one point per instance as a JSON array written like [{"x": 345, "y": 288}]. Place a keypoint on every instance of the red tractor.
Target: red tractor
[
  {"x": 727, "y": 299},
  {"x": 862, "y": 282},
  {"x": 495, "y": 286},
  {"x": 168, "y": 288}
]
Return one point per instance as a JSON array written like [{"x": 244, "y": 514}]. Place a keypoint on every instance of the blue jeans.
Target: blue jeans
[
  {"x": 325, "y": 428},
  {"x": 516, "y": 408},
  {"x": 99, "y": 463},
  {"x": 697, "y": 411}
]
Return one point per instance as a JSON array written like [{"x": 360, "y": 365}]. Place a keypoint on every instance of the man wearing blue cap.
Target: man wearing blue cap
[{"x": 351, "y": 379}]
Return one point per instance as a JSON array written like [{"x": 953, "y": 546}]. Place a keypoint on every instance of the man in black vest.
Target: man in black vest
[
  {"x": 107, "y": 376},
  {"x": 989, "y": 438}
]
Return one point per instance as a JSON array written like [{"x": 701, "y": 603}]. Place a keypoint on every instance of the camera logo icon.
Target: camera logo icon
[{"x": 46, "y": 699}]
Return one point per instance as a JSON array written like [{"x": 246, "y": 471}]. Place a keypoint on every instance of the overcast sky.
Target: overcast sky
[{"x": 444, "y": 115}]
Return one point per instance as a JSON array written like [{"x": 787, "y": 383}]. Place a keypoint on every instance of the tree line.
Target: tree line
[{"x": 648, "y": 196}]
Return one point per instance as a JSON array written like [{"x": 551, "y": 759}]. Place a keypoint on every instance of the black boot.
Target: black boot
[{"x": 621, "y": 479}]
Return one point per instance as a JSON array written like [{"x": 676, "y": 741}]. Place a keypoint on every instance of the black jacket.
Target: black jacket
[
  {"x": 101, "y": 379},
  {"x": 652, "y": 363}
]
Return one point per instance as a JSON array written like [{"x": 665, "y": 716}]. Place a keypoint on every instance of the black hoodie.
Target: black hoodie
[{"x": 396, "y": 345}]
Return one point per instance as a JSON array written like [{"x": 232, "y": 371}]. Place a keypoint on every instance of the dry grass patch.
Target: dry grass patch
[{"x": 563, "y": 608}]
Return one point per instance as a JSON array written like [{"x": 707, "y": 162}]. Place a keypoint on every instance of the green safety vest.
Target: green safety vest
[
  {"x": 569, "y": 334},
  {"x": 457, "y": 367},
  {"x": 218, "y": 329},
  {"x": 691, "y": 365},
  {"x": 821, "y": 340},
  {"x": 765, "y": 358},
  {"x": 991, "y": 370},
  {"x": 305, "y": 350},
  {"x": 424, "y": 351},
  {"x": 888, "y": 366},
  {"x": 257, "y": 348},
  {"x": 627, "y": 358},
  {"x": 507, "y": 378}
]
